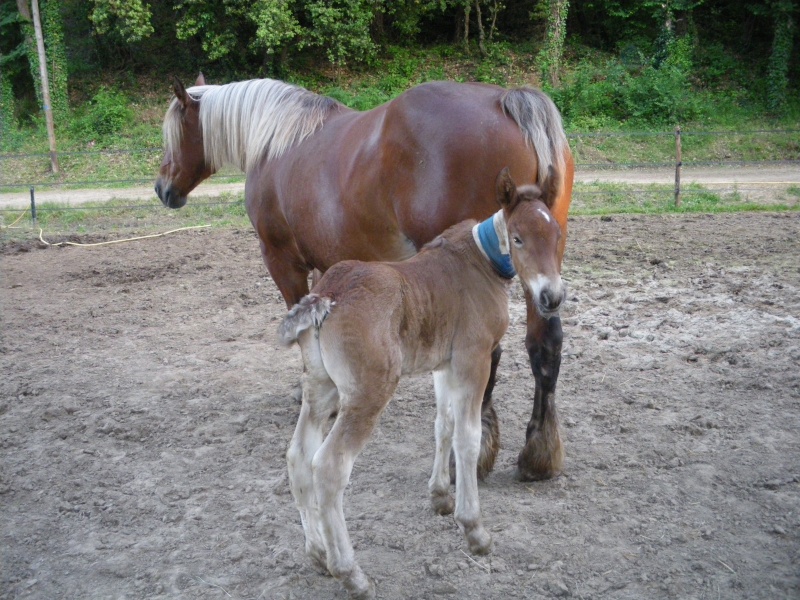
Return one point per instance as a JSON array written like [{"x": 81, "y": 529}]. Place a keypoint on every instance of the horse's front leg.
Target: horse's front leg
[
  {"x": 543, "y": 454},
  {"x": 287, "y": 271}
]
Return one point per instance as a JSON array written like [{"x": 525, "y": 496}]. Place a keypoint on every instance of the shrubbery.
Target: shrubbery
[{"x": 106, "y": 115}]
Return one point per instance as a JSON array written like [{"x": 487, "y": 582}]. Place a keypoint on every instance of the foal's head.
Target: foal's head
[
  {"x": 533, "y": 236},
  {"x": 184, "y": 164}
]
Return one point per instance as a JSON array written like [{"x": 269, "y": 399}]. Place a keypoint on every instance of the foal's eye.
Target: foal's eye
[{"x": 517, "y": 241}]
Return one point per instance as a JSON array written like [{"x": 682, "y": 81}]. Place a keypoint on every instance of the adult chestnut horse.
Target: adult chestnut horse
[{"x": 325, "y": 183}]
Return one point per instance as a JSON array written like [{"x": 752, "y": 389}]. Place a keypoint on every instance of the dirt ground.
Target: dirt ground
[{"x": 145, "y": 408}]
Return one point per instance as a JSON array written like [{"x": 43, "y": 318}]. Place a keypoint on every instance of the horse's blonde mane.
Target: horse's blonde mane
[{"x": 244, "y": 121}]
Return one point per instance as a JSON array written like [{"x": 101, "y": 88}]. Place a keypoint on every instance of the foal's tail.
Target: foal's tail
[
  {"x": 311, "y": 311},
  {"x": 540, "y": 122}
]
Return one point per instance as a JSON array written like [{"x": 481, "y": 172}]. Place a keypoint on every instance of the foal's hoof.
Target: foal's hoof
[
  {"x": 319, "y": 560},
  {"x": 480, "y": 541},
  {"x": 360, "y": 587},
  {"x": 443, "y": 504}
]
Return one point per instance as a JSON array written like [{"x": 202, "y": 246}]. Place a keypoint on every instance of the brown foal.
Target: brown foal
[{"x": 366, "y": 324}]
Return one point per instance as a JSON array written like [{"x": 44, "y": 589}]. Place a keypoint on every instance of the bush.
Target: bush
[
  {"x": 107, "y": 114},
  {"x": 621, "y": 91}
]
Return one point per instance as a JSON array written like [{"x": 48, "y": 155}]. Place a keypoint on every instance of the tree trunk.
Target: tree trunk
[
  {"x": 467, "y": 8},
  {"x": 48, "y": 111},
  {"x": 481, "y": 36},
  {"x": 778, "y": 67},
  {"x": 551, "y": 54}
]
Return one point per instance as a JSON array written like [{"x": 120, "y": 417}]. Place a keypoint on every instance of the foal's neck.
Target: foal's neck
[{"x": 491, "y": 236}]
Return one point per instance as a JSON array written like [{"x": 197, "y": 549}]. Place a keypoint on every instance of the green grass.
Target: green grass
[
  {"x": 122, "y": 218},
  {"x": 615, "y": 198}
]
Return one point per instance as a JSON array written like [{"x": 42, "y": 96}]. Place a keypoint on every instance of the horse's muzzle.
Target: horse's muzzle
[{"x": 168, "y": 197}]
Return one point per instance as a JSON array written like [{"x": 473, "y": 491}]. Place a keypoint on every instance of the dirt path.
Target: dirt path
[
  {"x": 145, "y": 408},
  {"x": 772, "y": 177}
]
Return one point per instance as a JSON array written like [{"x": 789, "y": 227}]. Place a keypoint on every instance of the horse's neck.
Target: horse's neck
[{"x": 247, "y": 121}]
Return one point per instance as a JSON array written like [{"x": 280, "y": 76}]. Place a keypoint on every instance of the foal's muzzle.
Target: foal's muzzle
[{"x": 549, "y": 299}]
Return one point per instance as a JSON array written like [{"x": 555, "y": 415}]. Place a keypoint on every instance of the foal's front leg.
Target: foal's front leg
[
  {"x": 462, "y": 389},
  {"x": 543, "y": 454}
]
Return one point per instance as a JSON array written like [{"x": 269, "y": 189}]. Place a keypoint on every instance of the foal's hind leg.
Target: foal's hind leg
[
  {"x": 543, "y": 454},
  {"x": 332, "y": 466},
  {"x": 320, "y": 401}
]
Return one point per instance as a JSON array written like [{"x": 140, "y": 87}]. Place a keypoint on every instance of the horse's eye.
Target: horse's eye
[{"x": 517, "y": 241}]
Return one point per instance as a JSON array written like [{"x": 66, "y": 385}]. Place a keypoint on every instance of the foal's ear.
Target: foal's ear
[
  {"x": 506, "y": 190},
  {"x": 200, "y": 79},
  {"x": 180, "y": 93}
]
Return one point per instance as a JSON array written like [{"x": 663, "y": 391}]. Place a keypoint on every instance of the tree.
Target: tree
[
  {"x": 782, "y": 43},
  {"x": 132, "y": 19},
  {"x": 342, "y": 28},
  {"x": 551, "y": 54},
  {"x": 52, "y": 32}
]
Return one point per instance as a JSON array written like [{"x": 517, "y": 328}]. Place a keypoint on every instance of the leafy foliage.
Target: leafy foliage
[
  {"x": 130, "y": 18},
  {"x": 106, "y": 115}
]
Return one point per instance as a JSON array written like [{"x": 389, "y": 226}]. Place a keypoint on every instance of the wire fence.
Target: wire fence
[{"x": 667, "y": 150}]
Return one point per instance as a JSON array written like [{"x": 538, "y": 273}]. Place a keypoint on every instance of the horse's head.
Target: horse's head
[
  {"x": 184, "y": 164},
  {"x": 533, "y": 236}
]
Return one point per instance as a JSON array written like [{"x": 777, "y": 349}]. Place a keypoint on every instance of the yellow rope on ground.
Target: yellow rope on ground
[
  {"x": 133, "y": 239},
  {"x": 19, "y": 218}
]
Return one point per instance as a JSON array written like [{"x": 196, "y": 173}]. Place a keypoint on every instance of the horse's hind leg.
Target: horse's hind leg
[
  {"x": 332, "y": 466},
  {"x": 320, "y": 401},
  {"x": 543, "y": 454}
]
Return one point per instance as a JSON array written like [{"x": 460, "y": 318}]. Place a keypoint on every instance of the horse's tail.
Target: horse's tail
[
  {"x": 540, "y": 122},
  {"x": 311, "y": 311}
]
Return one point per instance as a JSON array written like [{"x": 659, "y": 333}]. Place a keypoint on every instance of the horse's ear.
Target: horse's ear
[
  {"x": 506, "y": 190},
  {"x": 200, "y": 79},
  {"x": 180, "y": 93}
]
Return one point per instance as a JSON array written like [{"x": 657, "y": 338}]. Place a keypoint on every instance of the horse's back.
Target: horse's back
[{"x": 453, "y": 140}]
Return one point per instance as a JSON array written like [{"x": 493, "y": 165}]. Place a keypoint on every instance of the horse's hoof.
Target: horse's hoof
[
  {"x": 542, "y": 457},
  {"x": 443, "y": 504},
  {"x": 525, "y": 476}
]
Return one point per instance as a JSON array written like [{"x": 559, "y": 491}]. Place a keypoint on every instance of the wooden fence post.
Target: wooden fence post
[{"x": 678, "y": 165}]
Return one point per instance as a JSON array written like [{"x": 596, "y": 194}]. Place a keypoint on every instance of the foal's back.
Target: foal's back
[{"x": 413, "y": 313}]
